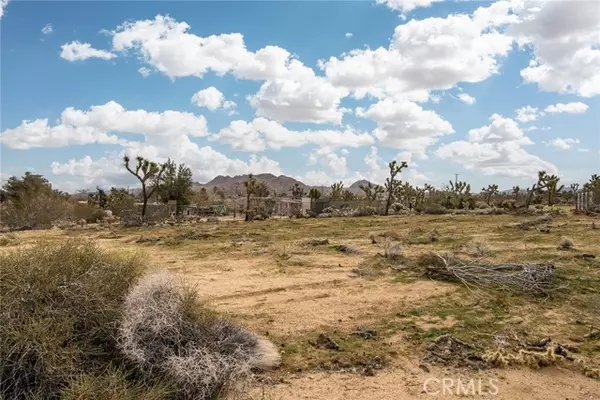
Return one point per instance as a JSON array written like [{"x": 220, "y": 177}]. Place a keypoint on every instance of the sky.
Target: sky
[{"x": 319, "y": 91}]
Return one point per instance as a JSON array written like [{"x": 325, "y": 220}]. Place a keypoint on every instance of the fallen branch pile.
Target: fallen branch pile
[{"x": 515, "y": 278}]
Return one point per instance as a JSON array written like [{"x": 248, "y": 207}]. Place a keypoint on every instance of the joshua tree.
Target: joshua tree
[
  {"x": 551, "y": 183},
  {"x": 516, "y": 190},
  {"x": 250, "y": 185},
  {"x": 336, "y": 190},
  {"x": 372, "y": 192},
  {"x": 147, "y": 172},
  {"x": 530, "y": 194},
  {"x": 391, "y": 184},
  {"x": 404, "y": 192},
  {"x": 261, "y": 189},
  {"x": 348, "y": 195},
  {"x": 297, "y": 191},
  {"x": 429, "y": 189},
  {"x": 489, "y": 192},
  {"x": 594, "y": 186},
  {"x": 460, "y": 187},
  {"x": 314, "y": 194},
  {"x": 574, "y": 187},
  {"x": 419, "y": 196},
  {"x": 98, "y": 198}
]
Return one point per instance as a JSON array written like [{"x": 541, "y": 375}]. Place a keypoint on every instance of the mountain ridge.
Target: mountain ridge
[{"x": 234, "y": 185}]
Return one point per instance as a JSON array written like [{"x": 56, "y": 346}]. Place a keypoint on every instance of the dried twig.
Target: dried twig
[{"x": 515, "y": 278}]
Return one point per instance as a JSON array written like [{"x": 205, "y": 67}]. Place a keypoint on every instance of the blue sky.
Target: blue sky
[{"x": 320, "y": 91}]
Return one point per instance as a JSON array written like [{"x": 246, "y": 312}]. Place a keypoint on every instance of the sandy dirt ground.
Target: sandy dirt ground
[{"x": 282, "y": 289}]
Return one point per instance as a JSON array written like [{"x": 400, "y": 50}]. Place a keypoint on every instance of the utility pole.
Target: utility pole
[{"x": 455, "y": 178}]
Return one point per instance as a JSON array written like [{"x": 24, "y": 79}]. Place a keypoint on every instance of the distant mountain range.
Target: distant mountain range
[{"x": 234, "y": 185}]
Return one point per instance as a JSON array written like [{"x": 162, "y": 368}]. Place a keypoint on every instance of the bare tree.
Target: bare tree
[
  {"x": 148, "y": 173},
  {"x": 391, "y": 183}
]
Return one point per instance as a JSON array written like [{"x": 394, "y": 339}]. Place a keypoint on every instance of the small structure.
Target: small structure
[{"x": 584, "y": 200}]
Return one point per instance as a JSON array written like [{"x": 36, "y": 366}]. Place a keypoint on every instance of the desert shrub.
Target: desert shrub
[
  {"x": 508, "y": 204},
  {"x": 364, "y": 211},
  {"x": 10, "y": 239},
  {"x": 565, "y": 243},
  {"x": 481, "y": 205},
  {"x": 87, "y": 212},
  {"x": 130, "y": 218},
  {"x": 329, "y": 210},
  {"x": 393, "y": 250},
  {"x": 36, "y": 212},
  {"x": 373, "y": 237},
  {"x": 113, "y": 385},
  {"x": 60, "y": 307},
  {"x": 169, "y": 337},
  {"x": 260, "y": 211},
  {"x": 478, "y": 247},
  {"x": 398, "y": 207}
]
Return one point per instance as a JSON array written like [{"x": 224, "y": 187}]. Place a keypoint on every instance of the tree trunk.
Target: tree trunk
[
  {"x": 387, "y": 203},
  {"x": 144, "y": 202},
  {"x": 247, "y": 206}
]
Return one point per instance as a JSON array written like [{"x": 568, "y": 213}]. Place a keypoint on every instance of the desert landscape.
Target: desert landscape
[
  {"x": 356, "y": 319},
  {"x": 300, "y": 200}
]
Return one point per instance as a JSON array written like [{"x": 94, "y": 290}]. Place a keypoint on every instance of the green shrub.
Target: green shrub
[
  {"x": 90, "y": 213},
  {"x": 60, "y": 310},
  {"x": 79, "y": 323}
]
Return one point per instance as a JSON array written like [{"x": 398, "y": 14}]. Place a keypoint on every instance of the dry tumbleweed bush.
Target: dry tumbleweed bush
[{"x": 167, "y": 334}]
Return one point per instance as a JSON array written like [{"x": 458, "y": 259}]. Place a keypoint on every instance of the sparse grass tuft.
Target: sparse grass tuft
[
  {"x": 478, "y": 247},
  {"x": 10, "y": 239},
  {"x": 565, "y": 243},
  {"x": 347, "y": 248}
]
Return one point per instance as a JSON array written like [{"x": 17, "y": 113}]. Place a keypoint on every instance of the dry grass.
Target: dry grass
[
  {"x": 318, "y": 293},
  {"x": 59, "y": 310},
  {"x": 565, "y": 243},
  {"x": 168, "y": 335}
]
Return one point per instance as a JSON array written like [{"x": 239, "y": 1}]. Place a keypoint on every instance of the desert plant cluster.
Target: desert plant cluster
[
  {"x": 30, "y": 202},
  {"x": 82, "y": 323},
  {"x": 113, "y": 295}
]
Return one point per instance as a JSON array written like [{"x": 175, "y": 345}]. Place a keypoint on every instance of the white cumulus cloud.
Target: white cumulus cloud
[
  {"x": 406, "y": 125},
  {"x": 527, "y": 114},
  {"x": 212, "y": 98},
  {"x": 3, "y": 4},
  {"x": 496, "y": 149},
  {"x": 407, "y": 5},
  {"x": 466, "y": 98},
  {"x": 565, "y": 38},
  {"x": 429, "y": 54},
  {"x": 98, "y": 125},
  {"x": 563, "y": 144},
  {"x": 261, "y": 134},
  {"x": 570, "y": 108},
  {"x": 78, "y": 51}
]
